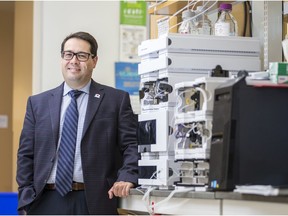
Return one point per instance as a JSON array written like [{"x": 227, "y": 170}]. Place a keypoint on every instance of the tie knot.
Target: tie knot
[{"x": 75, "y": 93}]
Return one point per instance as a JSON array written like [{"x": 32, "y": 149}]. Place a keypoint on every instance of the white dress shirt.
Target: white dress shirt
[{"x": 82, "y": 102}]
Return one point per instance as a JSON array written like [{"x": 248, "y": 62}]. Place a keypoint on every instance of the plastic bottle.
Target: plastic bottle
[
  {"x": 285, "y": 46},
  {"x": 226, "y": 24},
  {"x": 187, "y": 26},
  {"x": 203, "y": 23}
]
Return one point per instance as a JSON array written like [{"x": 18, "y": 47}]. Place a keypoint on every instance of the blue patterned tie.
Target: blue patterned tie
[{"x": 65, "y": 167}]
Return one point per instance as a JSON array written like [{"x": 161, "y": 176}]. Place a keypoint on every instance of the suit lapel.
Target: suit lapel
[
  {"x": 55, "y": 110},
  {"x": 96, "y": 95}
]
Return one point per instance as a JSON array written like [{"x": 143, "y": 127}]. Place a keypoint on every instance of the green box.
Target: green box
[{"x": 278, "y": 72}]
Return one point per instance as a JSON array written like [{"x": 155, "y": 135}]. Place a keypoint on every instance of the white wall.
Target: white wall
[{"x": 54, "y": 20}]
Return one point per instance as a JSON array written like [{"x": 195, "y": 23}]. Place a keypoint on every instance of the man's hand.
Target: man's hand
[{"x": 120, "y": 189}]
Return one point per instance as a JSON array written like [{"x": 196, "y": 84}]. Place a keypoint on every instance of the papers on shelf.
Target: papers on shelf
[
  {"x": 265, "y": 190},
  {"x": 263, "y": 83}
]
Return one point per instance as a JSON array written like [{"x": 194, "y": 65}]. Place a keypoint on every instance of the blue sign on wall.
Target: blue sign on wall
[{"x": 127, "y": 78}]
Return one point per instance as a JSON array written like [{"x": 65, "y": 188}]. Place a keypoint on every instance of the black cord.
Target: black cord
[
  {"x": 245, "y": 19},
  {"x": 250, "y": 17}
]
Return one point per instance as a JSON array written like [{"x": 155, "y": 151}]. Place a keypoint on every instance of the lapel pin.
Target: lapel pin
[{"x": 97, "y": 95}]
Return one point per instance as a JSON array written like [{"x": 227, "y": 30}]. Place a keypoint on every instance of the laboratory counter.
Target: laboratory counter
[{"x": 196, "y": 203}]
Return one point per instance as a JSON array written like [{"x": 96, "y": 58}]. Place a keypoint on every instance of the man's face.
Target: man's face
[{"x": 77, "y": 73}]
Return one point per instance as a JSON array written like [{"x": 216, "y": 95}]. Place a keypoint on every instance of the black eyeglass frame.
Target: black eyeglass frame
[{"x": 76, "y": 54}]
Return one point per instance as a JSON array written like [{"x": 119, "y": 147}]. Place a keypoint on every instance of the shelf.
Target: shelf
[
  {"x": 159, "y": 9},
  {"x": 205, "y": 203},
  {"x": 169, "y": 7}
]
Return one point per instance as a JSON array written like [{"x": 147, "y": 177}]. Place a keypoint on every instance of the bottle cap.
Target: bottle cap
[
  {"x": 187, "y": 13},
  {"x": 225, "y": 6}
]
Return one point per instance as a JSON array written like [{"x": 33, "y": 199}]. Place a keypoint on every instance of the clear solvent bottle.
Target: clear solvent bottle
[
  {"x": 226, "y": 24},
  {"x": 203, "y": 23},
  {"x": 187, "y": 26}
]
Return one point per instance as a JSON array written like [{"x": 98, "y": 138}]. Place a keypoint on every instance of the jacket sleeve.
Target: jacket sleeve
[
  {"x": 127, "y": 127},
  {"x": 25, "y": 158}
]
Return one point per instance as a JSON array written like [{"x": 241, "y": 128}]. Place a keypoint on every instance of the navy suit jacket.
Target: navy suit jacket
[{"x": 108, "y": 146}]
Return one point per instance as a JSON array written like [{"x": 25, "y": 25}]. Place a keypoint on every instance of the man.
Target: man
[{"x": 83, "y": 122}]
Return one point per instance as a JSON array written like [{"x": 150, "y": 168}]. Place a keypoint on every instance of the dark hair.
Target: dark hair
[{"x": 83, "y": 36}]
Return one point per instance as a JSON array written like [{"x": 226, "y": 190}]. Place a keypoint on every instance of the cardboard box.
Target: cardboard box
[{"x": 278, "y": 72}]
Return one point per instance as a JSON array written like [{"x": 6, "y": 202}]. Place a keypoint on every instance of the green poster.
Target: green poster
[{"x": 133, "y": 12}]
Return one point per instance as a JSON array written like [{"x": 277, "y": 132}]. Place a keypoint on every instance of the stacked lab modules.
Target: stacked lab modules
[
  {"x": 170, "y": 67},
  {"x": 193, "y": 129}
]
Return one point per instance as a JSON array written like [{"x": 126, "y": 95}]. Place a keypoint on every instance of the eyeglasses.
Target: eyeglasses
[{"x": 81, "y": 56}]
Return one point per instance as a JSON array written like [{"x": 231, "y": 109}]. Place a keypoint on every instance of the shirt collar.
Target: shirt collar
[{"x": 85, "y": 89}]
